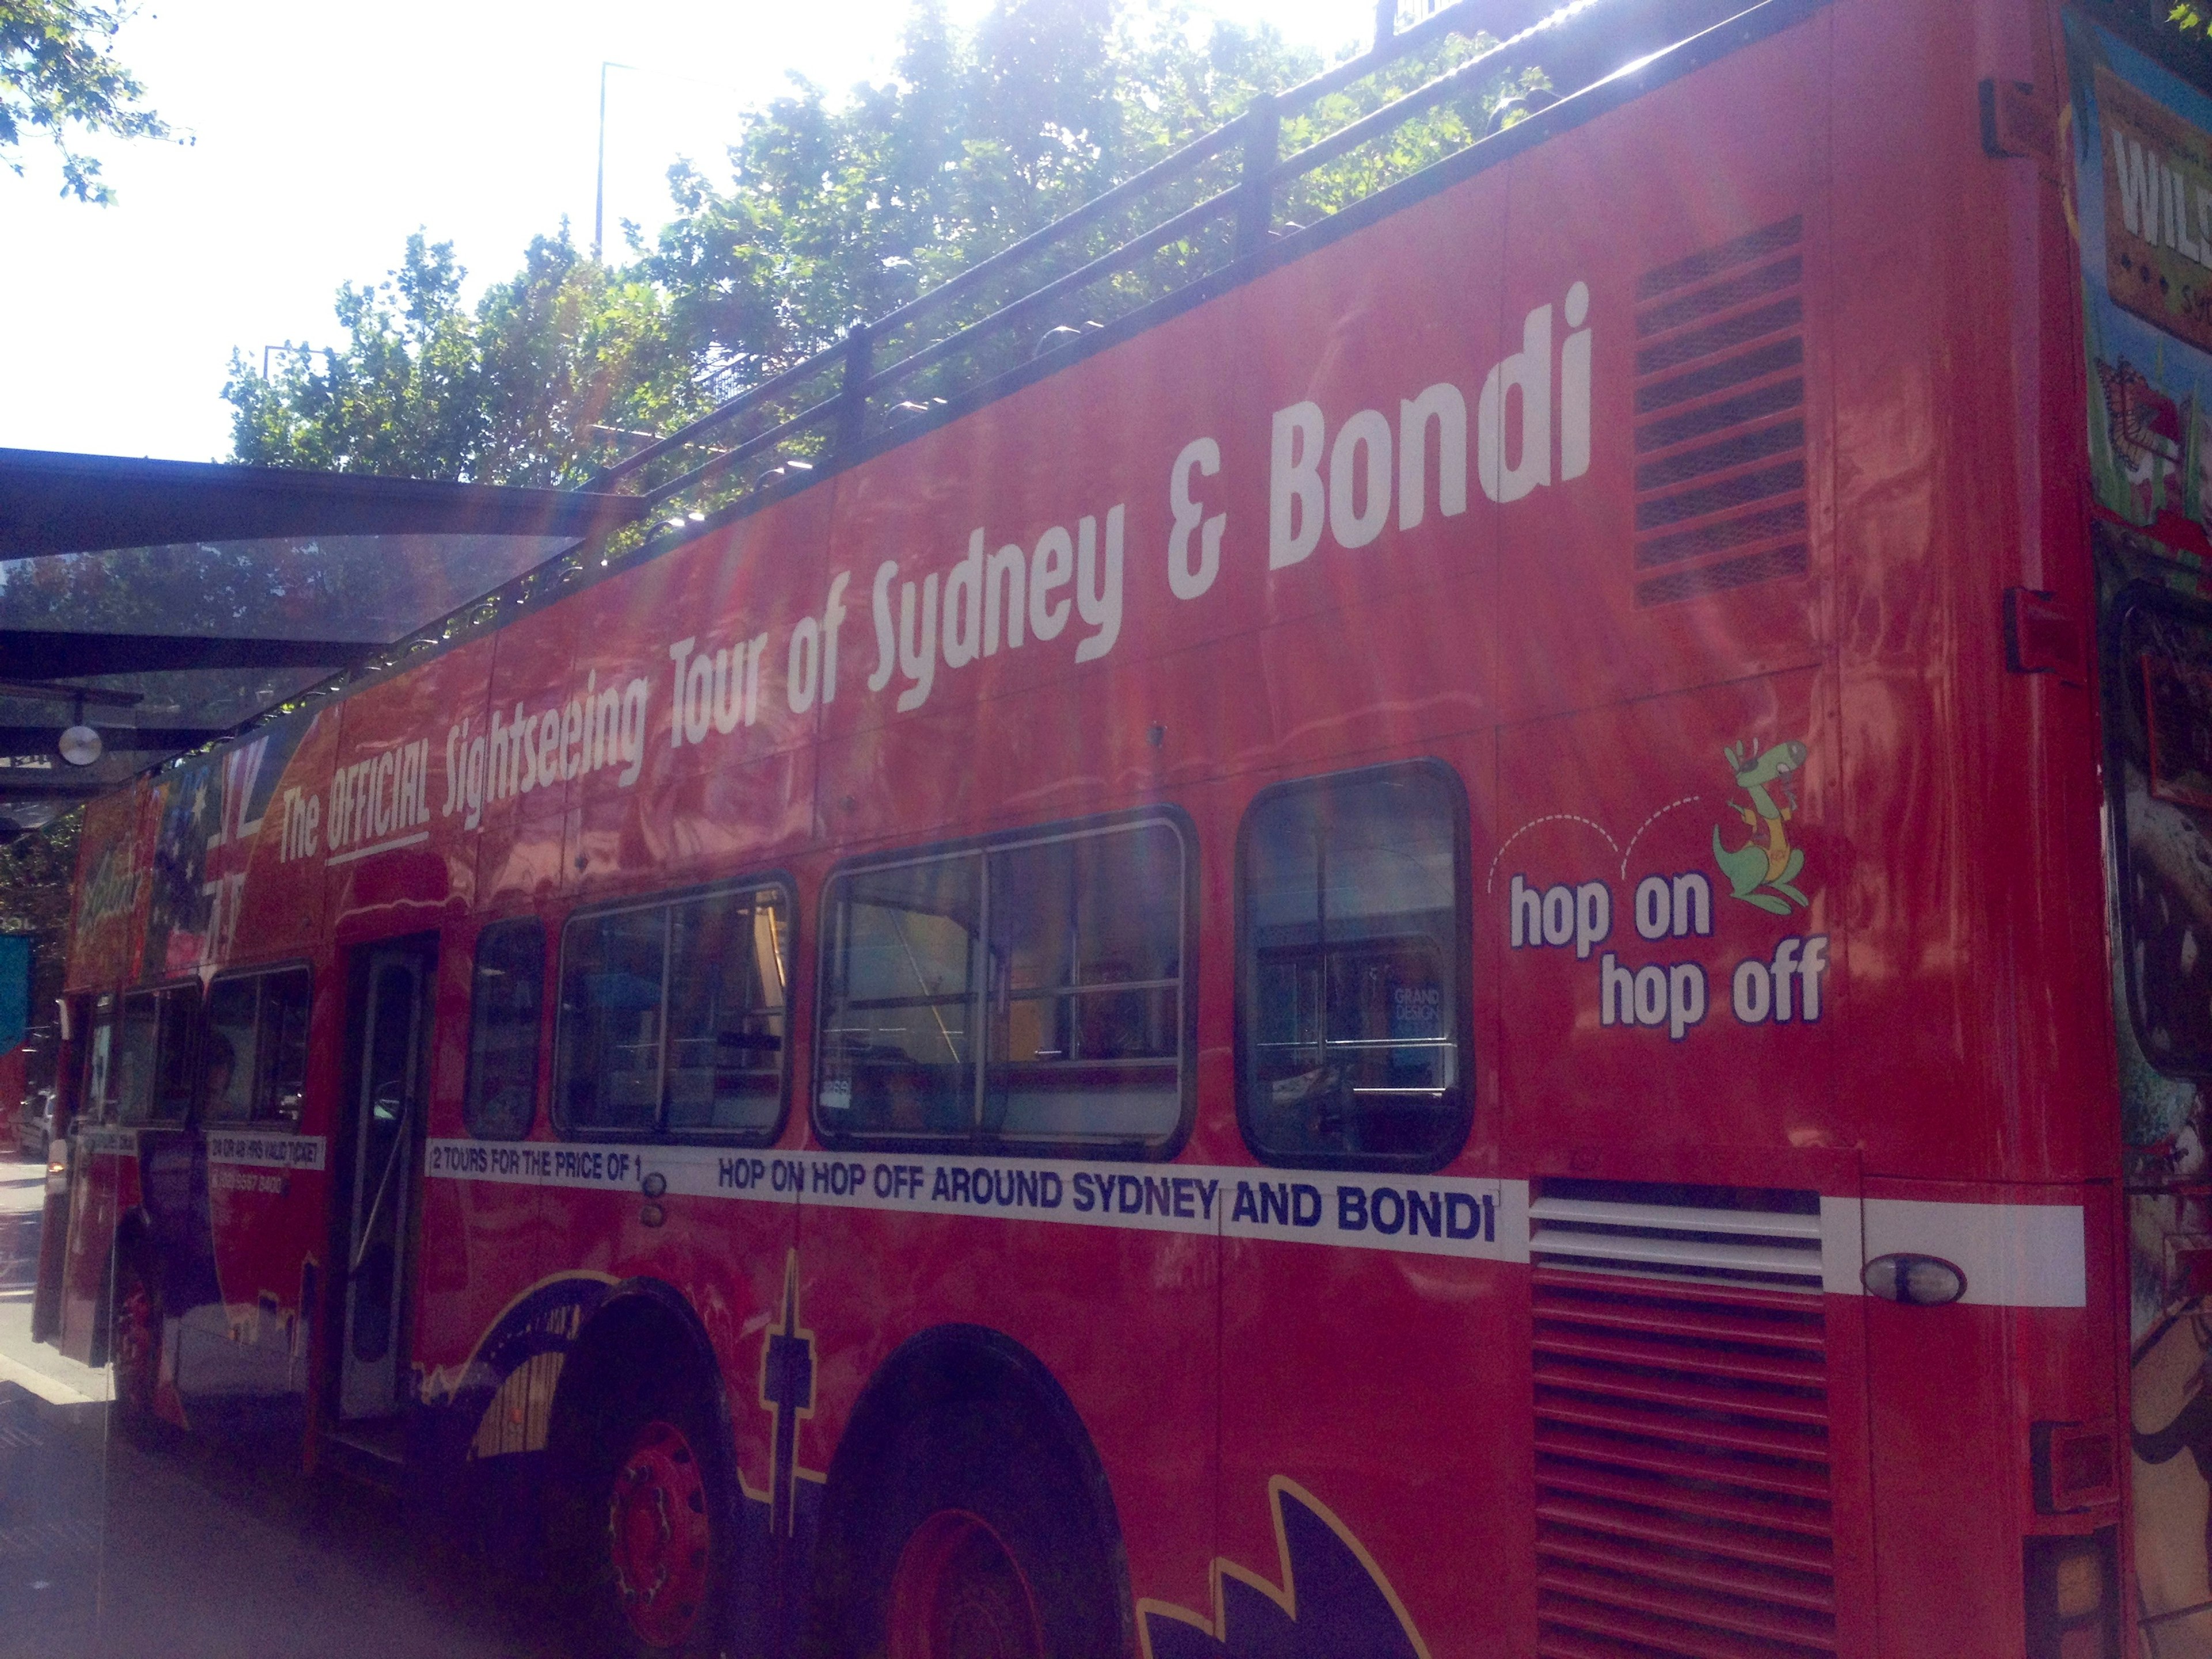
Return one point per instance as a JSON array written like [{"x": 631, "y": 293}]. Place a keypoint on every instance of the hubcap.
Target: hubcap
[
  {"x": 659, "y": 1536},
  {"x": 958, "y": 1594}
]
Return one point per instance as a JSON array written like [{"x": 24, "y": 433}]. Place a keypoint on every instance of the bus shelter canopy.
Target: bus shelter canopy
[{"x": 168, "y": 604}]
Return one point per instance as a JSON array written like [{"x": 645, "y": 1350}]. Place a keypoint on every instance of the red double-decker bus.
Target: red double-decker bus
[{"x": 1479, "y": 936}]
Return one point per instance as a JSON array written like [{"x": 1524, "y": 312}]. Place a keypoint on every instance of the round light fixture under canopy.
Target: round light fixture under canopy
[{"x": 80, "y": 745}]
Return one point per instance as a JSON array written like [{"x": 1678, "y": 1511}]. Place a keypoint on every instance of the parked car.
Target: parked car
[{"x": 35, "y": 1124}]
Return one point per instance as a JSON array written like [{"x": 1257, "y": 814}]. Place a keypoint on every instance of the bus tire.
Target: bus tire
[
  {"x": 657, "y": 1523},
  {"x": 976, "y": 1544},
  {"x": 134, "y": 1342}
]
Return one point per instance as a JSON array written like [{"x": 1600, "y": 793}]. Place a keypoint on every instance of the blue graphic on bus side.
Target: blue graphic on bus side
[{"x": 1333, "y": 1600}]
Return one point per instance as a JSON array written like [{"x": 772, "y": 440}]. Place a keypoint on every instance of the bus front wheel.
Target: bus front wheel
[
  {"x": 134, "y": 1343},
  {"x": 661, "y": 1530}
]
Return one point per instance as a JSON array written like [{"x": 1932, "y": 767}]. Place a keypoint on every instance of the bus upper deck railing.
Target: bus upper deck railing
[{"x": 1201, "y": 215}]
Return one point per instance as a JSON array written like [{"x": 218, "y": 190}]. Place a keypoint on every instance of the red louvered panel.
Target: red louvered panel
[
  {"x": 1720, "y": 418},
  {"x": 1682, "y": 1470},
  {"x": 1663, "y": 1388}
]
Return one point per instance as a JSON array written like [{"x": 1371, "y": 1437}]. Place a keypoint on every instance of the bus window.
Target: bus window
[
  {"x": 96, "y": 1102},
  {"x": 154, "y": 1085},
  {"x": 896, "y": 1057},
  {"x": 173, "y": 1067},
  {"x": 286, "y": 1000},
  {"x": 254, "y": 1067},
  {"x": 1067, "y": 1030},
  {"x": 672, "y": 1017},
  {"x": 1086, "y": 991},
  {"x": 2160, "y": 720},
  {"x": 134, "y": 1060},
  {"x": 233, "y": 1030},
  {"x": 726, "y": 974},
  {"x": 1352, "y": 978},
  {"x": 506, "y": 1007}
]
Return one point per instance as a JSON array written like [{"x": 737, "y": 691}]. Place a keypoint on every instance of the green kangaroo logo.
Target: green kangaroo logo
[{"x": 1767, "y": 861}]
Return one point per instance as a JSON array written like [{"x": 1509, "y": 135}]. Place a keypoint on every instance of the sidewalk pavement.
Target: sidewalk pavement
[
  {"x": 31, "y": 1365},
  {"x": 178, "y": 1547}
]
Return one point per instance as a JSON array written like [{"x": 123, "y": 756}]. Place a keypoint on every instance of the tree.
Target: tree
[
  {"x": 832, "y": 213},
  {"x": 59, "y": 74},
  {"x": 521, "y": 389}
]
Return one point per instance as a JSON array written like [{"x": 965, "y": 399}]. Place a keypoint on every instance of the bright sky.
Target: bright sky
[{"x": 324, "y": 134}]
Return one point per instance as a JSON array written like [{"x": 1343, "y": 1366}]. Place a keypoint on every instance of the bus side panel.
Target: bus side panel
[
  {"x": 482, "y": 1239},
  {"x": 102, "y": 951},
  {"x": 105, "y": 1188},
  {"x": 519, "y": 847},
  {"x": 722, "y": 781},
  {"x": 397, "y": 858},
  {"x": 985, "y": 522},
  {"x": 732, "y": 1248},
  {"x": 1652, "y": 1014},
  {"x": 268, "y": 1184},
  {"x": 1388, "y": 1385},
  {"x": 1125, "y": 1319},
  {"x": 1687, "y": 554},
  {"x": 271, "y": 879}
]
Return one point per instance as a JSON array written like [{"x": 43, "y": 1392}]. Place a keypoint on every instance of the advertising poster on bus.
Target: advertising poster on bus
[
  {"x": 207, "y": 816},
  {"x": 2142, "y": 148}
]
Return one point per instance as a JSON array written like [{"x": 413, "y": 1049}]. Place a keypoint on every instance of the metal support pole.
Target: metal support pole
[
  {"x": 1256, "y": 208},
  {"x": 600, "y": 189},
  {"x": 1386, "y": 22},
  {"x": 853, "y": 396}
]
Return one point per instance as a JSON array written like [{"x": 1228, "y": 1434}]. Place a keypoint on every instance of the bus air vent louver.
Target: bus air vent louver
[
  {"x": 1682, "y": 1476},
  {"x": 1762, "y": 1239},
  {"x": 1720, "y": 418}
]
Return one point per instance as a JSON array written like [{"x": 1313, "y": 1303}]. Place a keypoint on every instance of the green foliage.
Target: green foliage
[
  {"x": 519, "y": 389},
  {"x": 59, "y": 75},
  {"x": 832, "y": 212}
]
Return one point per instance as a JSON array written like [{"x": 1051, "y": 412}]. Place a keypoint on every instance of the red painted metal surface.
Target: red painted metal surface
[{"x": 1732, "y": 609}]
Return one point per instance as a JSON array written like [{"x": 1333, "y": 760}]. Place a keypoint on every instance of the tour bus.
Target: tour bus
[{"x": 1481, "y": 940}]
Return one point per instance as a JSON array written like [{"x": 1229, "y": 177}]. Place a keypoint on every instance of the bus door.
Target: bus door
[{"x": 389, "y": 1036}]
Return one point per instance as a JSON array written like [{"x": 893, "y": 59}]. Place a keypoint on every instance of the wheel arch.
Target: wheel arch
[
  {"x": 643, "y": 1325},
  {"x": 963, "y": 1368}
]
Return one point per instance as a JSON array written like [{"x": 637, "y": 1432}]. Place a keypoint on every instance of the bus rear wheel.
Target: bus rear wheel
[
  {"x": 958, "y": 1592},
  {"x": 974, "y": 1536}
]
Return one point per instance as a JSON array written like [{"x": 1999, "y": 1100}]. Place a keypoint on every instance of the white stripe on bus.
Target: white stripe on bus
[{"x": 2022, "y": 1255}]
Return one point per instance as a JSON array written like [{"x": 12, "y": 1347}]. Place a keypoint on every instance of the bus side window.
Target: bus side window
[
  {"x": 1086, "y": 1012},
  {"x": 672, "y": 1017},
  {"x": 1028, "y": 992},
  {"x": 281, "y": 1090},
  {"x": 134, "y": 1060},
  {"x": 254, "y": 1066},
  {"x": 897, "y": 1047},
  {"x": 728, "y": 972},
  {"x": 505, "y": 1015},
  {"x": 174, "y": 1066},
  {"x": 612, "y": 969},
  {"x": 233, "y": 1040},
  {"x": 96, "y": 1104},
  {"x": 1352, "y": 971}
]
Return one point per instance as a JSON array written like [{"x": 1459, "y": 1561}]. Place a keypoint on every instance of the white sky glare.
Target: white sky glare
[{"x": 324, "y": 134}]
